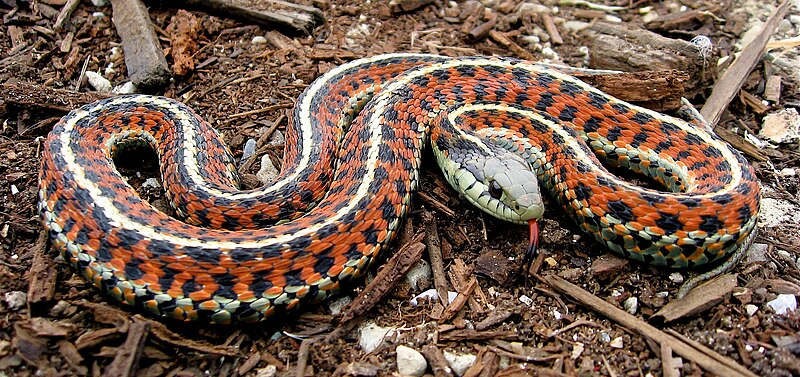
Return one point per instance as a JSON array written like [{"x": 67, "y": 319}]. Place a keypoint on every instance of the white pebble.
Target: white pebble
[
  {"x": 432, "y": 294},
  {"x": 788, "y": 172},
  {"x": 631, "y": 305},
  {"x": 259, "y": 40},
  {"x": 125, "y": 88},
  {"x": 783, "y": 303},
  {"x": 676, "y": 277},
  {"x": 459, "y": 362},
  {"x": 98, "y": 82},
  {"x": 99, "y": 3},
  {"x": 98, "y": 15},
  {"x": 532, "y": 8},
  {"x": 750, "y": 309},
  {"x": 370, "y": 336},
  {"x": 14, "y": 190},
  {"x": 526, "y": 300},
  {"x": 267, "y": 371},
  {"x": 410, "y": 362},
  {"x": 616, "y": 342},
  {"x": 575, "y": 26},
  {"x": 16, "y": 300}
]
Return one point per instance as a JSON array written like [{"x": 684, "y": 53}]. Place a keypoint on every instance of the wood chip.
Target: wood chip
[
  {"x": 656, "y": 90},
  {"x": 772, "y": 89},
  {"x": 184, "y": 31},
  {"x": 126, "y": 362},
  {"x": 698, "y": 300},
  {"x": 401, "y": 6},
  {"x": 41, "y": 279},
  {"x": 552, "y": 30}
]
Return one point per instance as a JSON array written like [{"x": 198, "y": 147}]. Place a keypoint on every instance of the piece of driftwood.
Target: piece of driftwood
[
  {"x": 656, "y": 90},
  {"x": 144, "y": 58},
  {"x": 632, "y": 49},
  {"x": 705, "y": 358},
  {"x": 273, "y": 14},
  {"x": 734, "y": 77}
]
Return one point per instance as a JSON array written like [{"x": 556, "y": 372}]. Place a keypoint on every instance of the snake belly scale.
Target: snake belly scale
[{"x": 349, "y": 170}]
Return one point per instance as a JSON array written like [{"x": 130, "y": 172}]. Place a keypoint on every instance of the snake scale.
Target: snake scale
[{"x": 350, "y": 167}]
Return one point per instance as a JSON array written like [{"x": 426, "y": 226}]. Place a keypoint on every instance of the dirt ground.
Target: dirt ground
[{"x": 236, "y": 75}]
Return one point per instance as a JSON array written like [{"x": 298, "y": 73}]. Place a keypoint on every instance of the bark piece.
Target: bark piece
[
  {"x": 436, "y": 360},
  {"x": 185, "y": 29},
  {"x": 126, "y": 362},
  {"x": 632, "y": 49},
  {"x": 402, "y": 260},
  {"x": 42, "y": 280},
  {"x": 698, "y": 300},
  {"x": 274, "y": 14},
  {"x": 656, "y": 90},
  {"x": 401, "y": 6},
  {"x": 144, "y": 58}
]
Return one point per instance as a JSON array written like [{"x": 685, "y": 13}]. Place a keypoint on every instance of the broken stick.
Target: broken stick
[{"x": 144, "y": 58}]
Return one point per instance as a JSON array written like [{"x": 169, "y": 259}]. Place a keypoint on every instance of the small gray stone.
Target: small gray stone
[
  {"x": 268, "y": 171},
  {"x": 151, "y": 184},
  {"x": 249, "y": 149},
  {"x": 16, "y": 300},
  {"x": 410, "y": 362}
]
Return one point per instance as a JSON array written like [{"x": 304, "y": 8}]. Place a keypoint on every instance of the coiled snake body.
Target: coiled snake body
[{"x": 358, "y": 130}]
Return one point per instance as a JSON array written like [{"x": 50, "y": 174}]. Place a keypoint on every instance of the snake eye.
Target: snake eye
[{"x": 495, "y": 190}]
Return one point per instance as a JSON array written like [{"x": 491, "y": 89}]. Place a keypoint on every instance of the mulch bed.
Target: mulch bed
[{"x": 569, "y": 319}]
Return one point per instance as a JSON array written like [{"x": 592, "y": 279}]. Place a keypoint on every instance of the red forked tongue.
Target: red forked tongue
[
  {"x": 534, "y": 238},
  {"x": 530, "y": 252}
]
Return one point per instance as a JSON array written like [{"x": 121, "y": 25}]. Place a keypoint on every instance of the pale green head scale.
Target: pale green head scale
[{"x": 495, "y": 180}]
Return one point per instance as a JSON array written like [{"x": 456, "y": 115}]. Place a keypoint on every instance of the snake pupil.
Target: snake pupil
[{"x": 495, "y": 190}]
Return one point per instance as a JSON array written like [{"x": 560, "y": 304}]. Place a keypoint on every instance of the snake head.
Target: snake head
[{"x": 502, "y": 184}]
